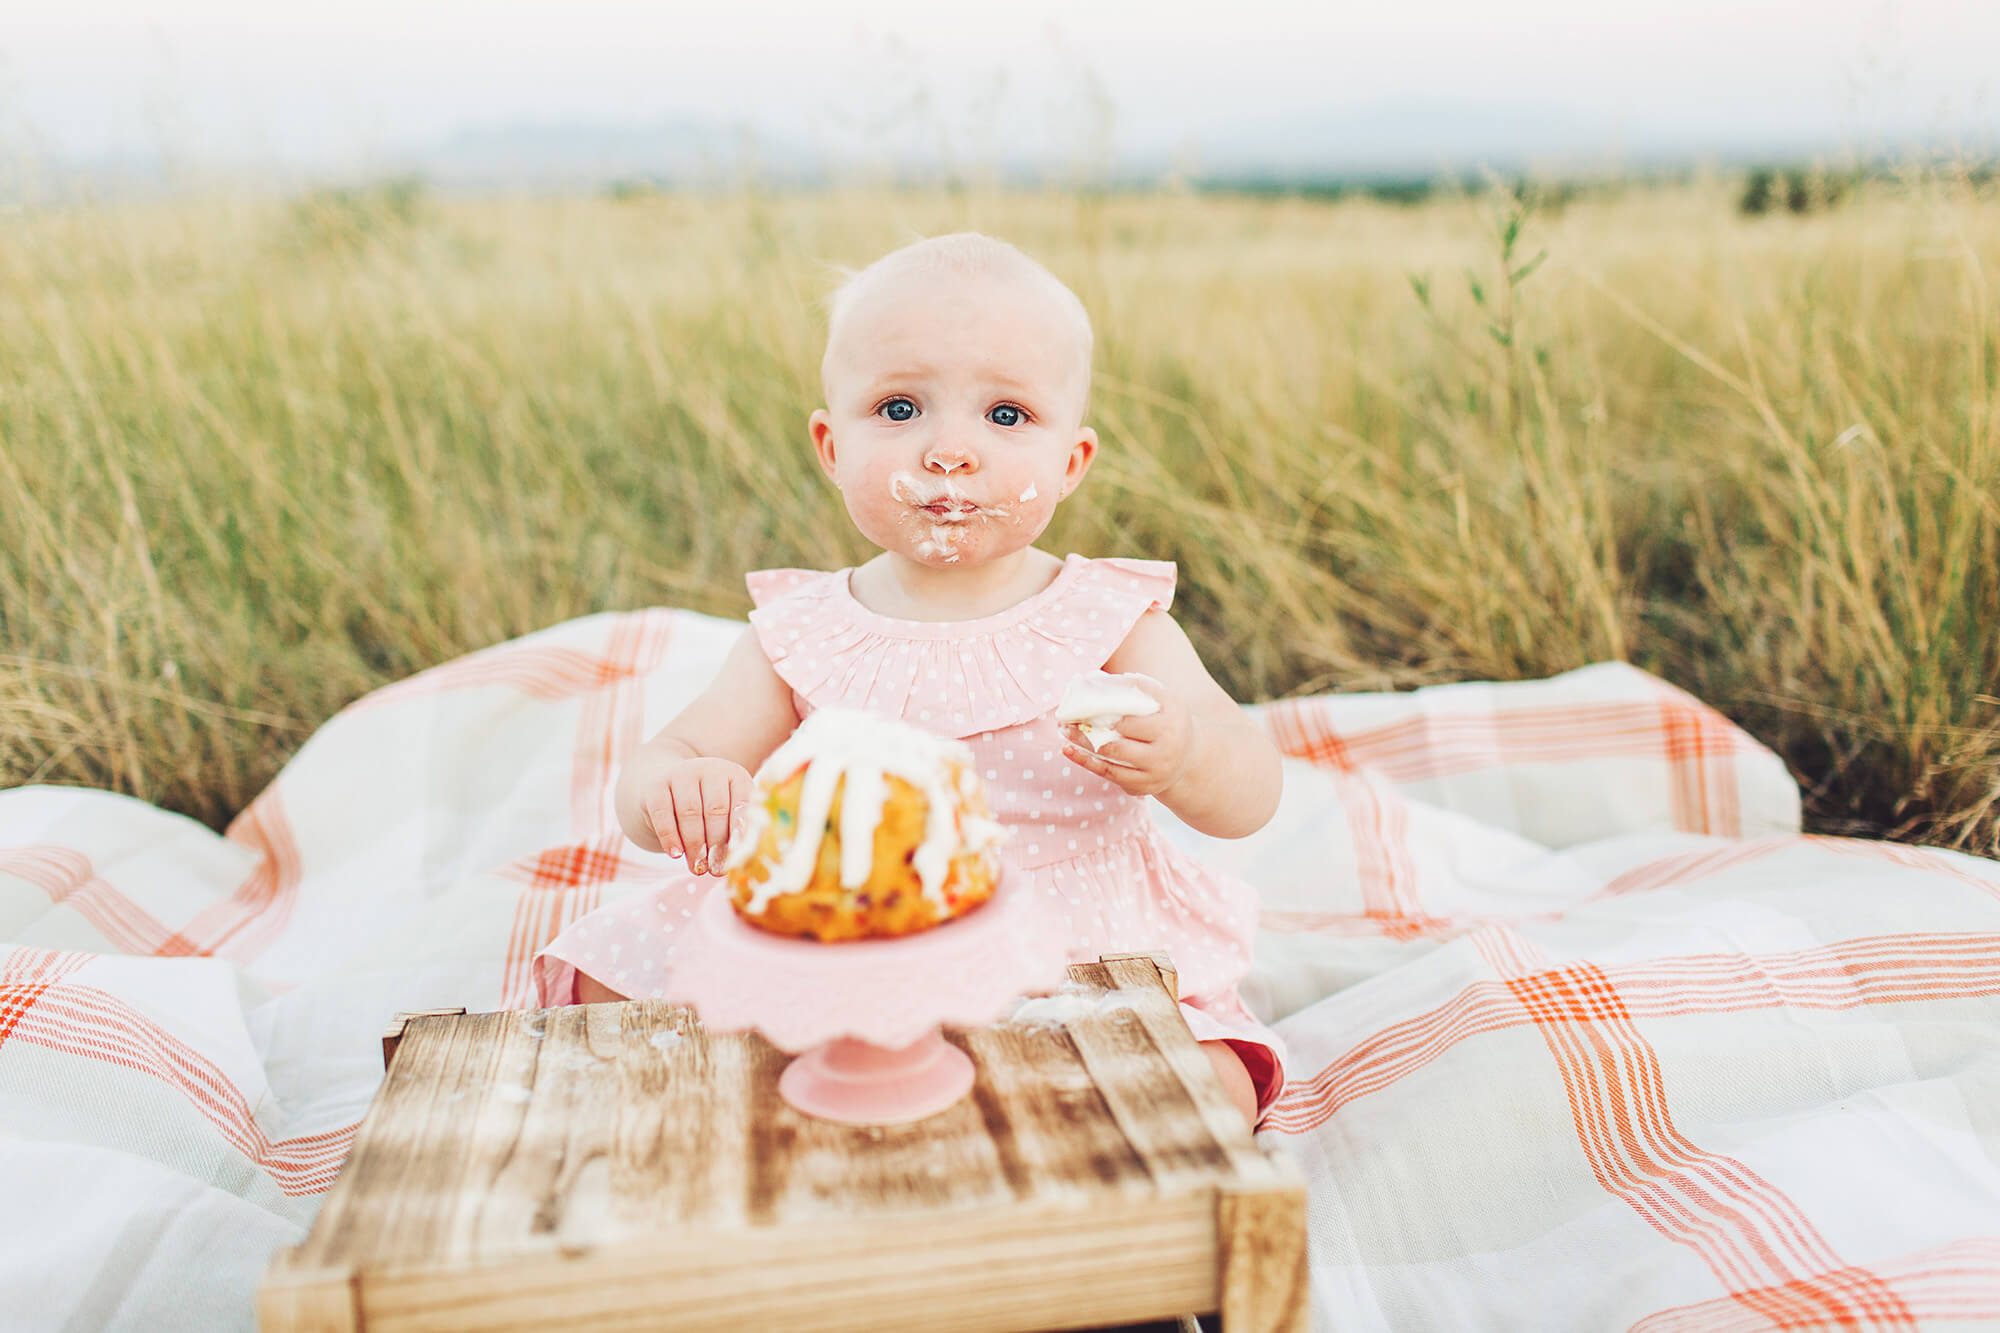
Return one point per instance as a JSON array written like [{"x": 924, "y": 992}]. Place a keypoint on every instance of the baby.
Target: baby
[{"x": 957, "y": 377}]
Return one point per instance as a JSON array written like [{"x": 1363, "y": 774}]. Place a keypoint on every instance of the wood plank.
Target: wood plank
[
  {"x": 616, "y": 1164},
  {"x": 1261, "y": 1256},
  {"x": 585, "y": 1125},
  {"x": 293, "y": 1299},
  {"x": 1050, "y": 1127},
  {"x": 807, "y": 1167},
  {"x": 1169, "y": 978},
  {"x": 1132, "y": 1259},
  {"x": 1158, "y": 1086},
  {"x": 393, "y": 1034},
  {"x": 441, "y": 1071}
]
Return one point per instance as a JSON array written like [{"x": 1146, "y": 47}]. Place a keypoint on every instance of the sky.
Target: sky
[{"x": 367, "y": 79}]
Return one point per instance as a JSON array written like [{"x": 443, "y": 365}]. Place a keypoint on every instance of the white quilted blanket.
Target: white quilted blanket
[{"x": 1585, "y": 1034}]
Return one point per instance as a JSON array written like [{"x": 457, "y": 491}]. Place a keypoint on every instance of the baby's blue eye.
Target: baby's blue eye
[
  {"x": 1008, "y": 407},
  {"x": 894, "y": 403}
]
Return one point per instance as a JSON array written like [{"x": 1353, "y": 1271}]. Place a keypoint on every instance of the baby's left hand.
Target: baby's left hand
[{"x": 1152, "y": 750}]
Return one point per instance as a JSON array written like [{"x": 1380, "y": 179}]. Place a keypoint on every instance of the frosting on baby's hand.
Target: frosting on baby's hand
[{"x": 1097, "y": 699}]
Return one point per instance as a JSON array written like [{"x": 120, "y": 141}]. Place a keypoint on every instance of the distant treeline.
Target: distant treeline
[{"x": 1766, "y": 188}]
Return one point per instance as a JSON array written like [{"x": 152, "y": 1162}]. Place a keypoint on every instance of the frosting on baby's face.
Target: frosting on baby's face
[{"x": 953, "y": 418}]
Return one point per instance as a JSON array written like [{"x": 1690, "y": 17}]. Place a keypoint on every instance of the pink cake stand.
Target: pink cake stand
[{"x": 866, "y": 1013}]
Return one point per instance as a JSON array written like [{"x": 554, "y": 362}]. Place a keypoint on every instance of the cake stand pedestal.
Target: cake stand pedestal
[{"x": 863, "y": 1015}]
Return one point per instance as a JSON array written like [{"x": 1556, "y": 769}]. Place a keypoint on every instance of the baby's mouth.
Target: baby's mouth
[{"x": 950, "y": 511}]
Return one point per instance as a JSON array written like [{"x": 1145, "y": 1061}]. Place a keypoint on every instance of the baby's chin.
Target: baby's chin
[
  {"x": 955, "y": 545},
  {"x": 958, "y": 545}
]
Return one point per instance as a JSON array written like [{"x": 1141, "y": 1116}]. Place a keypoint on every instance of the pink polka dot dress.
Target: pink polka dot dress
[{"x": 1093, "y": 850}]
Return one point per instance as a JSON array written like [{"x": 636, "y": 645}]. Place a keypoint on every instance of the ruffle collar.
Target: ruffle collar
[{"x": 954, "y": 677}]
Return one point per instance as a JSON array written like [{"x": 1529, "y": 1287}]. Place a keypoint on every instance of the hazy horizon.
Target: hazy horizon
[{"x": 1436, "y": 84}]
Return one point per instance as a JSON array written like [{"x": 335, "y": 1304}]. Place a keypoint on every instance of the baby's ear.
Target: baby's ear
[
  {"x": 1080, "y": 455},
  {"x": 820, "y": 427}
]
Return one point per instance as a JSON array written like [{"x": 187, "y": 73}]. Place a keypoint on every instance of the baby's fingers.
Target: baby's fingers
[
  {"x": 715, "y": 824},
  {"x": 1103, "y": 763},
  {"x": 740, "y": 792},
  {"x": 688, "y": 822},
  {"x": 1142, "y": 726},
  {"x": 660, "y": 815}
]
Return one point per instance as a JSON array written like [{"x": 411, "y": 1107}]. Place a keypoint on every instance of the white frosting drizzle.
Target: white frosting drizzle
[
  {"x": 865, "y": 749},
  {"x": 950, "y": 527},
  {"x": 1097, "y": 699}
]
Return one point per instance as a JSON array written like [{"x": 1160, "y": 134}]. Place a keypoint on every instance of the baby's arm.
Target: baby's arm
[
  {"x": 1234, "y": 773},
  {"x": 745, "y": 713}
]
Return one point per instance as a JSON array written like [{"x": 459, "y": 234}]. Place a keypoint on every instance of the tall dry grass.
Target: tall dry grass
[{"x": 259, "y": 457}]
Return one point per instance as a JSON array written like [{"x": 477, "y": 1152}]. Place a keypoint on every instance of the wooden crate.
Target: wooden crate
[{"x": 612, "y": 1166}]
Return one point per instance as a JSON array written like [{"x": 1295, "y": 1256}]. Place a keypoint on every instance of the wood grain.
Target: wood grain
[{"x": 614, "y": 1166}]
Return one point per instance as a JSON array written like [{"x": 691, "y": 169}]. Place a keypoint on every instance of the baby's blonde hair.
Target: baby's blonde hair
[{"x": 964, "y": 254}]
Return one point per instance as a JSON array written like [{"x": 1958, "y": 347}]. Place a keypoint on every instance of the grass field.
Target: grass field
[{"x": 258, "y": 457}]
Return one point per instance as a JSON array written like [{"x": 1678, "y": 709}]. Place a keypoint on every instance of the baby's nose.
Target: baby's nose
[{"x": 948, "y": 461}]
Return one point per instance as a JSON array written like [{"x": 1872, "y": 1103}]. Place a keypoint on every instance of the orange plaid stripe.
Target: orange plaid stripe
[
  {"x": 1885, "y": 969},
  {"x": 1387, "y": 925},
  {"x": 1902, "y": 854},
  {"x": 1956, "y": 1283},
  {"x": 1680, "y": 868},
  {"x": 544, "y": 673},
  {"x": 576, "y": 864},
  {"x": 1508, "y": 952},
  {"x": 562, "y": 885},
  {"x": 92, "y": 1024},
  {"x": 240, "y": 925},
  {"x": 69, "y": 878},
  {"x": 1301, "y": 730},
  {"x": 25, "y": 962},
  {"x": 1678, "y": 728},
  {"x": 1756, "y": 1240},
  {"x": 1580, "y": 993},
  {"x": 1704, "y": 797},
  {"x": 1379, "y": 821},
  {"x": 1687, "y": 867},
  {"x": 608, "y": 725},
  {"x": 16, "y": 999}
]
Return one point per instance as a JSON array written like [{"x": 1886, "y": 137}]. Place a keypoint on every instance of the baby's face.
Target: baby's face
[{"x": 953, "y": 416}]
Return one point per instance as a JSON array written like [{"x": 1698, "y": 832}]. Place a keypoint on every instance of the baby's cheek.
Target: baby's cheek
[
  {"x": 872, "y": 501},
  {"x": 1030, "y": 498}
]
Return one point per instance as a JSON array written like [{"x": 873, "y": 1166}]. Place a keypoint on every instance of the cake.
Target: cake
[
  {"x": 1098, "y": 701},
  {"x": 863, "y": 827}
]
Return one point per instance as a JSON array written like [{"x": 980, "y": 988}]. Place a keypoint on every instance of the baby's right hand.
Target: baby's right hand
[{"x": 694, "y": 807}]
